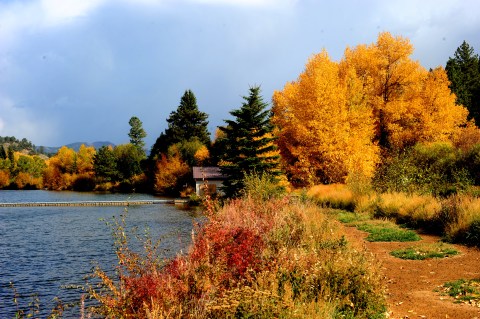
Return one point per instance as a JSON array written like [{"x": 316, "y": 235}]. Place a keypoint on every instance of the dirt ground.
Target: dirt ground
[{"x": 411, "y": 284}]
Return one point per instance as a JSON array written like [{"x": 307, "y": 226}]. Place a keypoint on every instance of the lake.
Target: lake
[{"x": 45, "y": 250}]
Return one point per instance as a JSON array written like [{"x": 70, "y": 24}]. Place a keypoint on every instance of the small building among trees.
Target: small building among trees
[{"x": 209, "y": 176}]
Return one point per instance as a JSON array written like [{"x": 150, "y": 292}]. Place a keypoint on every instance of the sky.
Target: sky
[{"x": 78, "y": 70}]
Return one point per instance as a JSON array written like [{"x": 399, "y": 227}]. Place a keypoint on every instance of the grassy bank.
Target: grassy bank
[
  {"x": 276, "y": 258},
  {"x": 456, "y": 218}
]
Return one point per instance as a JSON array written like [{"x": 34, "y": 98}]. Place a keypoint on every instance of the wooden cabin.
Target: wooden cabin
[{"x": 209, "y": 176}]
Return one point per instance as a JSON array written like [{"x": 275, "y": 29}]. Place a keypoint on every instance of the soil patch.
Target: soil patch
[{"x": 411, "y": 284}]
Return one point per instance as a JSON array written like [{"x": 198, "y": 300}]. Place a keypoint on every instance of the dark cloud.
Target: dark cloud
[{"x": 85, "y": 76}]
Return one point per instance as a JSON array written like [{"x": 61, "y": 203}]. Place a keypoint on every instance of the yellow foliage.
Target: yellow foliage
[
  {"x": 333, "y": 195},
  {"x": 169, "y": 170},
  {"x": 409, "y": 206},
  {"x": 201, "y": 155},
  {"x": 334, "y": 119},
  {"x": 4, "y": 178},
  {"x": 84, "y": 159},
  {"x": 24, "y": 179},
  {"x": 323, "y": 130}
]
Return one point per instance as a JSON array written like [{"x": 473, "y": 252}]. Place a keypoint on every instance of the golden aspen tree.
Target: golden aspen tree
[
  {"x": 409, "y": 104},
  {"x": 337, "y": 117},
  {"x": 61, "y": 168},
  {"x": 4, "y": 178},
  {"x": 85, "y": 157},
  {"x": 318, "y": 117}
]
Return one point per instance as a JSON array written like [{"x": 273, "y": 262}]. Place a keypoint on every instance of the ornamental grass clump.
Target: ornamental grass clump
[
  {"x": 333, "y": 196},
  {"x": 418, "y": 211},
  {"x": 461, "y": 219},
  {"x": 252, "y": 259}
]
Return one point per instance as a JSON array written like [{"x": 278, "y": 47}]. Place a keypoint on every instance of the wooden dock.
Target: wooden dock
[{"x": 95, "y": 203}]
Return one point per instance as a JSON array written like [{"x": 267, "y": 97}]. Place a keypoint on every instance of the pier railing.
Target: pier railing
[{"x": 94, "y": 203}]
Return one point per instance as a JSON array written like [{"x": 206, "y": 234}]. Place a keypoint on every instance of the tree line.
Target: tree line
[
  {"x": 364, "y": 119},
  {"x": 168, "y": 168}
]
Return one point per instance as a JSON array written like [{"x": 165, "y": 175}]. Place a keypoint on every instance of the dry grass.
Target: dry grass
[
  {"x": 461, "y": 218},
  {"x": 333, "y": 195},
  {"x": 280, "y": 258},
  {"x": 415, "y": 210},
  {"x": 457, "y": 218}
]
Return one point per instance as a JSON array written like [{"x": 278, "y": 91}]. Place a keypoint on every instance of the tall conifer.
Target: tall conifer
[
  {"x": 184, "y": 124},
  {"x": 248, "y": 141},
  {"x": 464, "y": 75}
]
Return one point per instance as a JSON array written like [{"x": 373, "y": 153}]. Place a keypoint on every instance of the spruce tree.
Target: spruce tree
[
  {"x": 248, "y": 142},
  {"x": 137, "y": 133},
  {"x": 184, "y": 124},
  {"x": 464, "y": 74}
]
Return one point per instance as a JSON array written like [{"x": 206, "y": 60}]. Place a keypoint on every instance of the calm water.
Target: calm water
[{"x": 45, "y": 249}]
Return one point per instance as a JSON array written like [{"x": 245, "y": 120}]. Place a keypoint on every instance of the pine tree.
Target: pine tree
[
  {"x": 464, "y": 74},
  {"x": 3, "y": 154},
  {"x": 137, "y": 133},
  {"x": 185, "y": 123},
  {"x": 249, "y": 144},
  {"x": 105, "y": 165}
]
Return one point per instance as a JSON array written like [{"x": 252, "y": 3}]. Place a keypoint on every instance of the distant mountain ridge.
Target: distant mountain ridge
[{"x": 75, "y": 146}]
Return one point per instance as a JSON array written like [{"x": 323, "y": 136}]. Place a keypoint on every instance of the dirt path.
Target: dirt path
[{"x": 410, "y": 284}]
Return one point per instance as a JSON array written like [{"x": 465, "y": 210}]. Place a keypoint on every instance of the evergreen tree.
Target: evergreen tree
[
  {"x": 464, "y": 74},
  {"x": 184, "y": 124},
  {"x": 137, "y": 133},
  {"x": 3, "y": 154},
  {"x": 248, "y": 142},
  {"x": 105, "y": 165},
  {"x": 11, "y": 157}
]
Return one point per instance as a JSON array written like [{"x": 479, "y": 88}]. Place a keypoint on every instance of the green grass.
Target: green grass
[
  {"x": 349, "y": 217},
  {"x": 464, "y": 290},
  {"x": 386, "y": 231},
  {"x": 425, "y": 251},
  {"x": 379, "y": 230}
]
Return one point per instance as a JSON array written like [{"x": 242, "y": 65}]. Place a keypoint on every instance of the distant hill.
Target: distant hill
[{"x": 75, "y": 146}]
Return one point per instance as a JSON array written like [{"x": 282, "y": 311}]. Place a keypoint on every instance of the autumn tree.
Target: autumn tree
[
  {"x": 84, "y": 160},
  {"x": 325, "y": 128},
  {"x": 4, "y": 178},
  {"x": 250, "y": 143},
  {"x": 184, "y": 124},
  {"x": 171, "y": 173},
  {"x": 137, "y": 133},
  {"x": 61, "y": 168},
  {"x": 337, "y": 116},
  {"x": 464, "y": 74}
]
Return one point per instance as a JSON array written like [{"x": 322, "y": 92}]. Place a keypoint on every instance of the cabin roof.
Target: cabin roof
[{"x": 207, "y": 172}]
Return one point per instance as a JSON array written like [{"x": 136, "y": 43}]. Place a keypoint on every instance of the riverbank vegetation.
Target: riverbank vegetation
[{"x": 280, "y": 257}]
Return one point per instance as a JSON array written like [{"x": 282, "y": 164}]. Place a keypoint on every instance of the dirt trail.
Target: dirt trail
[{"x": 410, "y": 284}]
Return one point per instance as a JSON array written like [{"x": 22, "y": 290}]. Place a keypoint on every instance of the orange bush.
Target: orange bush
[{"x": 4, "y": 178}]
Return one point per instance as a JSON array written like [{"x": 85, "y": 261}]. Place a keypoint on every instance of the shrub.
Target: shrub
[
  {"x": 461, "y": 218},
  {"x": 252, "y": 259},
  {"x": 435, "y": 169},
  {"x": 84, "y": 183},
  {"x": 262, "y": 186},
  {"x": 415, "y": 210},
  {"x": 333, "y": 195}
]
